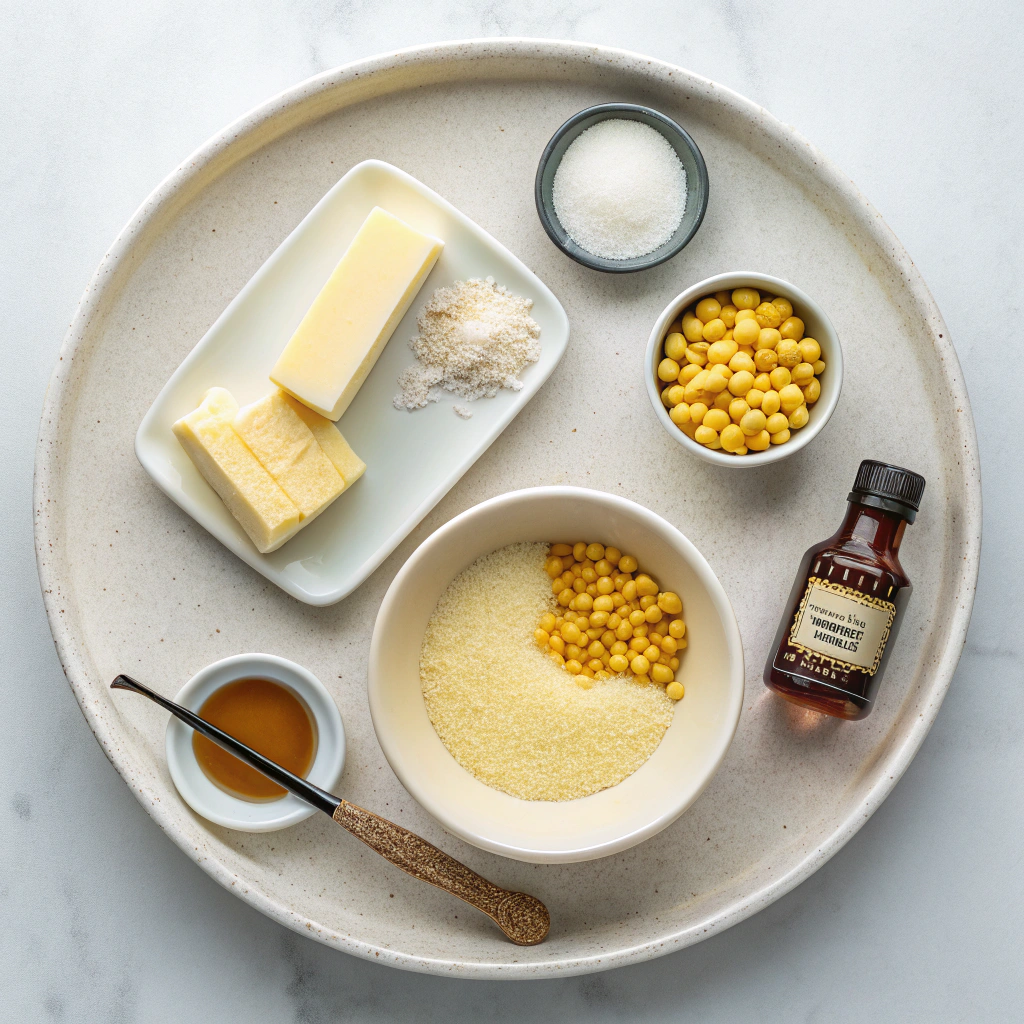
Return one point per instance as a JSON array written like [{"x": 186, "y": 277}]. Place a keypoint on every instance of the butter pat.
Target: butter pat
[
  {"x": 289, "y": 452},
  {"x": 355, "y": 314},
  {"x": 334, "y": 446},
  {"x": 227, "y": 464}
]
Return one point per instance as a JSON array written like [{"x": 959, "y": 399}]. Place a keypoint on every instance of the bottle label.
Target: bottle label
[{"x": 842, "y": 626}]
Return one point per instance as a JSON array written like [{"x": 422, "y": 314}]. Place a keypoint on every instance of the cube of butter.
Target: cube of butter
[
  {"x": 262, "y": 509},
  {"x": 345, "y": 330},
  {"x": 330, "y": 439},
  {"x": 288, "y": 450}
]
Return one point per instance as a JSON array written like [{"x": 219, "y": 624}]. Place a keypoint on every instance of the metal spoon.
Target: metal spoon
[{"x": 523, "y": 918}]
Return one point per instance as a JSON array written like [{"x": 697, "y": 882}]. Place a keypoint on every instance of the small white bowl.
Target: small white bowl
[
  {"x": 219, "y": 806},
  {"x": 615, "y": 819},
  {"x": 818, "y": 327}
]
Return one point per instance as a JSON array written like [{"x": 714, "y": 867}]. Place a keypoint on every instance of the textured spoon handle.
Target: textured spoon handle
[{"x": 523, "y": 918}]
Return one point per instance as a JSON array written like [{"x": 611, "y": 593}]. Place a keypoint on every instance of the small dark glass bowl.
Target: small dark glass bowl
[{"x": 679, "y": 140}]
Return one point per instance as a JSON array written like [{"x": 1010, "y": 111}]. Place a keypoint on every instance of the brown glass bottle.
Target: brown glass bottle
[{"x": 847, "y": 602}]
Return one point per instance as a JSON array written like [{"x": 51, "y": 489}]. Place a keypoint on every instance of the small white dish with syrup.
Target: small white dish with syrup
[{"x": 216, "y": 802}]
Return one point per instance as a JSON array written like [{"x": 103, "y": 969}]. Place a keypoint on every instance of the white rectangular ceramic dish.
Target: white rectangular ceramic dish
[{"x": 413, "y": 458}]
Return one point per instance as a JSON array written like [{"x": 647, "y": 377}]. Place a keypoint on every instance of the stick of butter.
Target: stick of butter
[
  {"x": 290, "y": 453},
  {"x": 261, "y": 507},
  {"x": 327, "y": 435},
  {"x": 356, "y": 312}
]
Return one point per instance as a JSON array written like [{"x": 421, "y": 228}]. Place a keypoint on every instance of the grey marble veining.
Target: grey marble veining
[{"x": 102, "y": 919}]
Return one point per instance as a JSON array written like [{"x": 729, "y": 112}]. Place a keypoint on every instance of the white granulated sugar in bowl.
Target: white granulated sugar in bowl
[
  {"x": 620, "y": 190},
  {"x": 474, "y": 339}
]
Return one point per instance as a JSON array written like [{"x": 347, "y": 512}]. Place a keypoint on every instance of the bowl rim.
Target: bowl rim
[
  {"x": 735, "y": 677},
  {"x": 328, "y": 762},
  {"x": 823, "y": 409},
  {"x": 590, "y": 260}
]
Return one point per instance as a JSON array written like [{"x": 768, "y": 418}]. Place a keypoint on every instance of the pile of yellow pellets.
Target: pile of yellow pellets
[
  {"x": 738, "y": 373},
  {"x": 613, "y": 619}
]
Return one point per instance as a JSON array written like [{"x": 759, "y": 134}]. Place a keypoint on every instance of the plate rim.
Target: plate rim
[
  {"x": 221, "y": 152},
  {"x": 234, "y": 540}
]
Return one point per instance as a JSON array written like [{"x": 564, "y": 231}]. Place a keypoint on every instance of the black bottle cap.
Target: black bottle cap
[{"x": 888, "y": 487}]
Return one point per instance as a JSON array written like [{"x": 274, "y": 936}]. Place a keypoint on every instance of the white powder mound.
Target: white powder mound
[
  {"x": 506, "y": 712},
  {"x": 474, "y": 339},
  {"x": 620, "y": 190}
]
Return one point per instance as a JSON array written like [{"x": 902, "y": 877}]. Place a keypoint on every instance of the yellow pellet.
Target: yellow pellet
[
  {"x": 784, "y": 306},
  {"x": 754, "y": 397},
  {"x": 714, "y": 330},
  {"x": 765, "y": 360},
  {"x": 791, "y": 397},
  {"x": 810, "y": 350},
  {"x": 654, "y": 614},
  {"x": 740, "y": 362},
  {"x": 728, "y": 314},
  {"x": 819, "y": 367},
  {"x": 675, "y": 346},
  {"x": 618, "y": 663},
  {"x": 579, "y": 551},
  {"x": 759, "y": 442},
  {"x": 628, "y": 588},
  {"x": 781, "y": 437},
  {"x": 717, "y": 382},
  {"x": 723, "y": 400},
  {"x": 693, "y": 329},
  {"x": 688, "y": 372},
  {"x": 753, "y": 423},
  {"x": 662, "y": 674},
  {"x": 708, "y": 309},
  {"x": 698, "y": 410},
  {"x": 732, "y": 438},
  {"x": 738, "y": 408},
  {"x": 776, "y": 422},
  {"x": 677, "y": 629},
  {"x": 679, "y": 414},
  {"x": 788, "y": 353},
  {"x": 812, "y": 392},
  {"x": 645, "y": 586},
  {"x": 571, "y": 633},
  {"x": 767, "y": 315},
  {"x": 705, "y": 435},
  {"x": 792, "y": 328},
  {"x": 740, "y": 383},
  {"x": 675, "y": 690},
  {"x": 640, "y": 665},
  {"x": 542, "y": 637},
  {"x": 668, "y": 643},
  {"x": 780, "y": 377},
  {"x": 668, "y": 370},
  {"x": 798, "y": 417},
  {"x": 746, "y": 332},
  {"x": 573, "y": 667},
  {"x": 771, "y": 402},
  {"x": 716, "y": 419},
  {"x": 767, "y": 337},
  {"x": 802, "y": 373},
  {"x": 722, "y": 351},
  {"x": 745, "y": 298}
]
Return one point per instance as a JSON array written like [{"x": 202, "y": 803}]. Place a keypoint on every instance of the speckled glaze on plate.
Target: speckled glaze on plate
[{"x": 132, "y": 584}]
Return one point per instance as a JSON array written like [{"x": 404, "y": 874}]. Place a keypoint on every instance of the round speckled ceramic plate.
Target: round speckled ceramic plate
[{"x": 132, "y": 584}]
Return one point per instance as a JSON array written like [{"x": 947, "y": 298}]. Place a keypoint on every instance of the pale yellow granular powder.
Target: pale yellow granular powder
[{"x": 506, "y": 712}]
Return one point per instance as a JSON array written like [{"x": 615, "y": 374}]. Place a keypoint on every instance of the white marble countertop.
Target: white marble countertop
[{"x": 917, "y": 918}]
